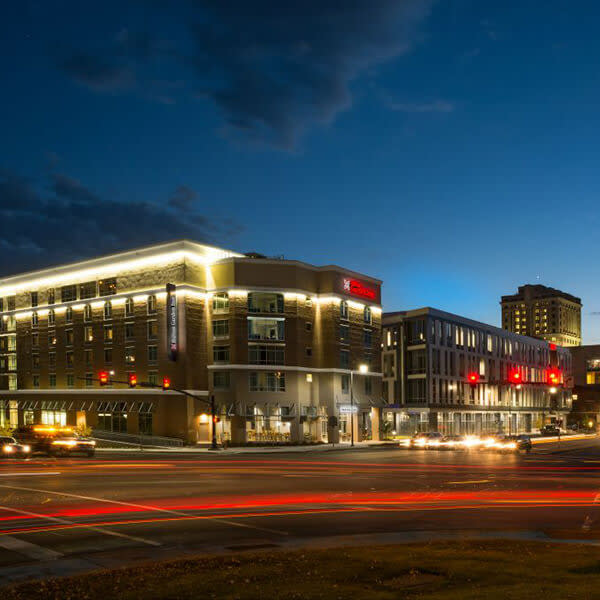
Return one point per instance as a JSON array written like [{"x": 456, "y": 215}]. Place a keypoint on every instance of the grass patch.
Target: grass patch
[{"x": 445, "y": 571}]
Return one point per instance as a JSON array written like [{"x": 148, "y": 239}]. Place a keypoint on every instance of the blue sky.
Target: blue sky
[{"x": 448, "y": 148}]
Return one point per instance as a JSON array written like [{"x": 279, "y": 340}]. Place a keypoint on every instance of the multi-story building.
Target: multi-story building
[
  {"x": 586, "y": 385},
  {"x": 443, "y": 372},
  {"x": 545, "y": 313},
  {"x": 279, "y": 343}
]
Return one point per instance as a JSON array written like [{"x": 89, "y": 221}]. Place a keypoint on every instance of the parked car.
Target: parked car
[
  {"x": 10, "y": 448},
  {"x": 550, "y": 430}
]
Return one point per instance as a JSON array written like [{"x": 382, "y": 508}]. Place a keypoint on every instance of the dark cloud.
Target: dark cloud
[
  {"x": 183, "y": 198},
  {"x": 273, "y": 68},
  {"x": 67, "y": 221}
]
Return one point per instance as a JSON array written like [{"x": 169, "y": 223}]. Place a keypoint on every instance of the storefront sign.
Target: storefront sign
[
  {"x": 172, "y": 322},
  {"x": 348, "y": 409},
  {"x": 358, "y": 288}
]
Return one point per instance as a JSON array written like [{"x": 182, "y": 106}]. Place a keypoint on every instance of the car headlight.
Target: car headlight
[
  {"x": 8, "y": 449},
  {"x": 26, "y": 448}
]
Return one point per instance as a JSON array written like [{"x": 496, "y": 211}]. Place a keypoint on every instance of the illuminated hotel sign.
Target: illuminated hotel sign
[
  {"x": 357, "y": 288},
  {"x": 171, "y": 321},
  {"x": 348, "y": 409}
]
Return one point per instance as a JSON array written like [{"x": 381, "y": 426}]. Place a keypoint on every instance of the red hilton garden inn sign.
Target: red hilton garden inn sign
[{"x": 357, "y": 288}]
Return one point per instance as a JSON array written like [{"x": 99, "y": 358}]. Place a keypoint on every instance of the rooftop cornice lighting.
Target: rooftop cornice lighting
[{"x": 75, "y": 275}]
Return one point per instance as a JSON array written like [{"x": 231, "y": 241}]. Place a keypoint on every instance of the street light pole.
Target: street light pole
[
  {"x": 213, "y": 418},
  {"x": 351, "y": 407}
]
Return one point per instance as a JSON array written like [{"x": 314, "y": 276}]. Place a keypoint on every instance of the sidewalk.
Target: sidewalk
[{"x": 250, "y": 450}]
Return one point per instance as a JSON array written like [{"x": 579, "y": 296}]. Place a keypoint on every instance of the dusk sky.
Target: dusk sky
[{"x": 448, "y": 148}]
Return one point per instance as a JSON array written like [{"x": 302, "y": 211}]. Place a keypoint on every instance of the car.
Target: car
[
  {"x": 10, "y": 448},
  {"x": 56, "y": 441},
  {"x": 523, "y": 443},
  {"x": 452, "y": 442},
  {"x": 426, "y": 440},
  {"x": 550, "y": 430}
]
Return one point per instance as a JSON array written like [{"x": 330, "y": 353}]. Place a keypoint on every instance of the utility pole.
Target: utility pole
[{"x": 213, "y": 418}]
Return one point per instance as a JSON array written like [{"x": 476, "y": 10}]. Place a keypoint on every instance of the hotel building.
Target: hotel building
[
  {"x": 586, "y": 388},
  {"x": 283, "y": 346},
  {"x": 443, "y": 372},
  {"x": 545, "y": 313}
]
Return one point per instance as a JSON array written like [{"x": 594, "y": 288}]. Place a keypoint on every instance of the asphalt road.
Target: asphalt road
[{"x": 62, "y": 516}]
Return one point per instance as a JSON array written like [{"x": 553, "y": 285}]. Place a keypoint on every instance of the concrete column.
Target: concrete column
[
  {"x": 296, "y": 431},
  {"x": 238, "y": 430},
  {"x": 375, "y": 424},
  {"x": 333, "y": 433}
]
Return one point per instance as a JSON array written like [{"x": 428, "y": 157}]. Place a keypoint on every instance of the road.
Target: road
[{"x": 62, "y": 516}]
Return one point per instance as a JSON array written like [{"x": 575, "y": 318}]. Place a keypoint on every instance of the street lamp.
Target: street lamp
[{"x": 361, "y": 369}]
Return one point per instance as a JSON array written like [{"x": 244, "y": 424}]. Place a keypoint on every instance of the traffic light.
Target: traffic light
[
  {"x": 515, "y": 377},
  {"x": 166, "y": 383},
  {"x": 554, "y": 376},
  {"x": 473, "y": 379},
  {"x": 103, "y": 378},
  {"x": 132, "y": 380}
]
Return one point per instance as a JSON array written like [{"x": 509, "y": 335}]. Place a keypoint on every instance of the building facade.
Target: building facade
[
  {"x": 277, "y": 342},
  {"x": 545, "y": 313},
  {"x": 586, "y": 386},
  {"x": 442, "y": 372}
]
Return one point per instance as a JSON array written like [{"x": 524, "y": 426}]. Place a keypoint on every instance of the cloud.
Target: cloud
[
  {"x": 183, "y": 198},
  {"x": 64, "y": 220},
  {"x": 273, "y": 69},
  {"x": 438, "y": 106}
]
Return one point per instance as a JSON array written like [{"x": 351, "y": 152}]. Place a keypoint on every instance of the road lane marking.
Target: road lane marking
[
  {"x": 90, "y": 527},
  {"x": 142, "y": 506},
  {"x": 24, "y": 473},
  {"x": 465, "y": 482},
  {"x": 28, "y": 549}
]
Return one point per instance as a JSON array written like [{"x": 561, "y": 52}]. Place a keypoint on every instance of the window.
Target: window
[
  {"x": 220, "y": 328},
  {"x": 308, "y": 326},
  {"x": 69, "y": 314},
  {"x": 69, "y": 359},
  {"x": 12, "y": 362},
  {"x": 88, "y": 334},
  {"x": 151, "y": 304},
  {"x": 88, "y": 356},
  {"x": 51, "y": 317},
  {"x": 69, "y": 337},
  {"x": 220, "y": 302},
  {"x": 34, "y": 319},
  {"x": 35, "y": 361},
  {"x": 416, "y": 361},
  {"x": 34, "y": 298},
  {"x": 10, "y": 302},
  {"x": 107, "y": 287},
  {"x": 129, "y": 307},
  {"x": 107, "y": 310},
  {"x": 266, "y": 329},
  {"x": 308, "y": 351},
  {"x": 70, "y": 380},
  {"x": 266, "y": 355},
  {"x": 153, "y": 377},
  {"x": 145, "y": 423},
  {"x": 345, "y": 384},
  {"x": 129, "y": 331},
  {"x": 87, "y": 290},
  {"x": 367, "y": 315},
  {"x": 152, "y": 330},
  {"x": 108, "y": 333},
  {"x": 344, "y": 359},
  {"x": 35, "y": 340},
  {"x": 12, "y": 381},
  {"x": 68, "y": 293},
  {"x": 368, "y": 386},
  {"x": 54, "y": 417},
  {"x": 89, "y": 379},
  {"x": 108, "y": 356},
  {"x": 221, "y": 354},
  {"x": 130, "y": 356},
  {"x": 52, "y": 338},
  {"x": 221, "y": 380},
  {"x": 36, "y": 381},
  {"x": 265, "y": 302},
  {"x": 344, "y": 309},
  {"x": 345, "y": 334},
  {"x": 87, "y": 313},
  {"x": 51, "y": 296},
  {"x": 52, "y": 359},
  {"x": 152, "y": 353},
  {"x": 367, "y": 338},
  {"x": 267, "y": 381},
  {"x": 52, "y": 382}
]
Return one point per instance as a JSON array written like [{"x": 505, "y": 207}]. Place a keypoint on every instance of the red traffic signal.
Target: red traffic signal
[
  {"x": 166, "y": 383},
  {"x": 515, "y": 377},
  {"x": 473, "y": 378},
  {"x": 103, "y": 378},
  {"x": 132, "y": 380}
]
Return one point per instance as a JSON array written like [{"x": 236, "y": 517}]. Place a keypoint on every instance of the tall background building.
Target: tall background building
[{"x": 543, "y": 312}]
